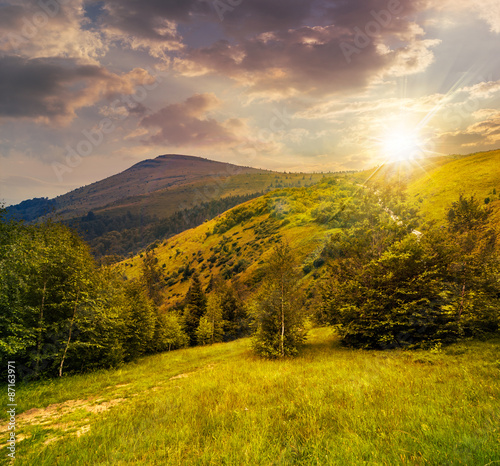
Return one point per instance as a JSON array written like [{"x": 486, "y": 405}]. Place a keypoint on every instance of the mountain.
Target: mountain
[
  {"x": 154, "y": 199},
  {"x": 236, "y": 244},
  {"x": 160, "y": 178}
]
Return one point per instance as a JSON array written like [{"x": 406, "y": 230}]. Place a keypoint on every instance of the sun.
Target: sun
[{"x": 401, "y": 144}]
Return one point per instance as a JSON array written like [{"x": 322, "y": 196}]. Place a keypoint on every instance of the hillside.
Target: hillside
[
  {"x": 477, "y": 174},
  {"x": 155, "y": 199},
  {"x": 235, "y": 245},
  {"x": 222, "y": 405},
  {"x": 433, "y": 184},
  {"x": 130, "y": 189}
]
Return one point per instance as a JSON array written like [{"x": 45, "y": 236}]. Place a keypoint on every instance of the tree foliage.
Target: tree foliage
[
  {"x": 61, "y": 313},
  {"x": 405, "y": 290},
  {"x": 280, "y": 309}
]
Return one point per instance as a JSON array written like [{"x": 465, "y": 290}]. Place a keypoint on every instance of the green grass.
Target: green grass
[
  {"x": 196, "y": 247},
  {"x": 478, "y": 175},
  {"x": 331, "y": 405}
]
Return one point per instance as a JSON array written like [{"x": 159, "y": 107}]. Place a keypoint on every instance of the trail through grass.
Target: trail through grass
[{"x": 222, "y": 405}]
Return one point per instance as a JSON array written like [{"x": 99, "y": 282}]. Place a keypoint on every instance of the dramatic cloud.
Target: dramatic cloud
[
  {"x": 324, "y": 59},
  {"x": 344, "y": 73},
  {"x": 187, "y": 123},
  {"x": 54, "y": 89},
  {"x": 48, "y": 28},
  {"x": 150, "y": 24}
]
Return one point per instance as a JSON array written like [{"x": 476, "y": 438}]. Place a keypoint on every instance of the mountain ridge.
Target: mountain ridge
[{"x": 141, "y": 179}]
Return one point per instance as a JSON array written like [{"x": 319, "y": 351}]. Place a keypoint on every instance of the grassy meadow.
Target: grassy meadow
[{"x": 221, "y": 404}]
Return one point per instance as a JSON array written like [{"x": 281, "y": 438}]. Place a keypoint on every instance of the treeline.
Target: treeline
[
  {"x": 377, "y": 281},
  {"x": 391, "y": 287},
  {"x": 31, "y": 209},
  {"x": 122, "y": 235},
  {"x": 61, "y": 313}
]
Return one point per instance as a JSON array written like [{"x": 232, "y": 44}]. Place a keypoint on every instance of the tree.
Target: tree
[
  {"x": 280, "y": 313},
  {"x": 45, "y": 292},
  {"x": 204, "y": 332},
  {"x": 140, "y": 320},
  {"x": 234, "y": 314},
  {"x": 419, "y": 290},
  {"x": 234, "y": 317},
  {"x": 475, "y": 266},
  {"x": 168, "y": 333},
  {"x": 195, "y": 306},
  {"x": 153, "y": 277},
  {"x": 214, "y": 322},
  {"x": 467, "y": 214},
  {"x": 396, "y": 300}
]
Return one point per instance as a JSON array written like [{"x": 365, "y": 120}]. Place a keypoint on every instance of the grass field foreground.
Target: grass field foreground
[{"x": 222, "y": 405}]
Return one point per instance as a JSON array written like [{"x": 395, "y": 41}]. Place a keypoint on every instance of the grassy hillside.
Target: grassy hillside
[
  {"x": 434, "y": 183},
  {"x": 160, "y": 187},
  {"x": 130, "y": 189},
  {"x": 477, "y": 174},
  {"x": 164, "y": 202},
  {"x": 126, "y": 212},
  {"x": 236, "y": 244},
  {"x": 222, "y": 405}
]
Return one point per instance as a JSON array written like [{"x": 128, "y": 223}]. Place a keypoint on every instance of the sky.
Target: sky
[{"x": 88, "y": 88}]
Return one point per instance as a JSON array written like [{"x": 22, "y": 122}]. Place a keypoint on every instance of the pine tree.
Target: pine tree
[
  {"x": 214, "y": 318},
  {"x": 195, "y": 306},
  {"x": 140, "y": 320}
]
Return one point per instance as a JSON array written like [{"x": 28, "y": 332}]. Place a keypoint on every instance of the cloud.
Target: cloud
[
  {"x": 49, "y": 28},
  {"x": 483, "y": 89},
  {"x": 150, "y": 24},
  {"x": 52, "y": 90},
  {"x": 188, "y": 123},
  {"x": 362, "y": 41},
  {"x": 308, "y": 60},
  {"x": 487, "y": 10},
  {"x": 482, "y": 135}
]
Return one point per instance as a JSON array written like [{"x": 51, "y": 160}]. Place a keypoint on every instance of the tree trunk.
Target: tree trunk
[
  {"x": 40, "y": 330},
  {"x": 69, "y": 338},
  {"x": 282, "y": 319},
  {"x": 462, "y": 302}
]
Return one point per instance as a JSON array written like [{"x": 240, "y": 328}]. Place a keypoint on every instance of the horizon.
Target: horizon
[
  {"x": 90, "y": 88},
  {"x": 188, "y": 156}
]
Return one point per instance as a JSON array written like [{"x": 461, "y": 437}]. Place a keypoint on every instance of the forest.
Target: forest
[{"x": 377, "y": 281}]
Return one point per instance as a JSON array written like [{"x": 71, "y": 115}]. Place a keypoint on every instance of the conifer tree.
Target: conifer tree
[{"x": 195, "y": 306}]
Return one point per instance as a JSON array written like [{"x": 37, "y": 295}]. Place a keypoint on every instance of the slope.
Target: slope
[
  {"x": 131, "y": 188},
  {"x": 236, "y": 245},
  {"x": 477, "y": 174},
  {"x": 222, "y": 405},
  {"x": 125, "y": 212},
  {"x": 433, "y": 184}
]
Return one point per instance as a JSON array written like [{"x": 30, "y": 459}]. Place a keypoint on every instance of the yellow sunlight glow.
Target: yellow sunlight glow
[{"x": 401, "y": 144}]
